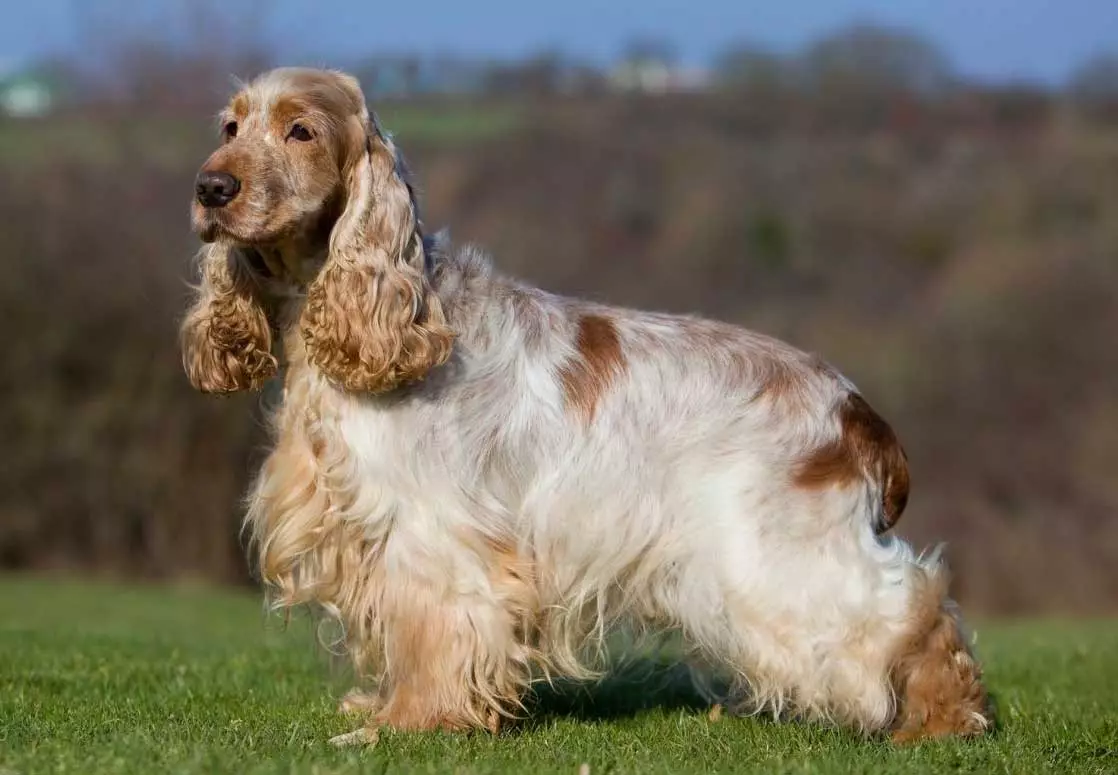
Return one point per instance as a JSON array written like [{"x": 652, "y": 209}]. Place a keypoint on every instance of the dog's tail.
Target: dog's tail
[{"x": 867, "y": 448}]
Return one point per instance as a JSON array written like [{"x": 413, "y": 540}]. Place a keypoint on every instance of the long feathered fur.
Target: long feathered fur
[{"x": 481, "y": 480}]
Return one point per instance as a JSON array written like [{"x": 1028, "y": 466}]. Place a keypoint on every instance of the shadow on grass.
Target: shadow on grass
[{"x": 627, "y": 691}]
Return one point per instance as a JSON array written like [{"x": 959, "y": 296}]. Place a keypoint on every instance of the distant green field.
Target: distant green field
[
  {"x": 165, "y": 142},
  {"x": 100, "y": 678},
  {"x": 450, "y": 123}
]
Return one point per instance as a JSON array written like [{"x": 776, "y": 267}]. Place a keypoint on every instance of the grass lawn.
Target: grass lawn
[{"x": 102, "y": 678}]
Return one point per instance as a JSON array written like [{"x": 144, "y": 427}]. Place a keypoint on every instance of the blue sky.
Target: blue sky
[{"x": 993, "y": 39}]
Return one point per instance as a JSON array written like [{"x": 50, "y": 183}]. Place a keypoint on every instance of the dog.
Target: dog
[{"x": 481, "y": 480}]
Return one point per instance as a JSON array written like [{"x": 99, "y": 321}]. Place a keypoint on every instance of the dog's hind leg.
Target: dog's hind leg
[{"x": 830, "y": 622}]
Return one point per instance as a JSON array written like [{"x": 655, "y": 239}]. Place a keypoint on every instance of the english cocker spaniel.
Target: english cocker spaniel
[{"x": 481, "y": 480}]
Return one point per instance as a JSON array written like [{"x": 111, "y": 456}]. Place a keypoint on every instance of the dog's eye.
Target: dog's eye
[
  {"x": 230, "y": 130},
  {"x": 300, "y": 133}
]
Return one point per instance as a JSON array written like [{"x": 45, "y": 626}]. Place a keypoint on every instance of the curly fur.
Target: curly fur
[
  {"x": 480, "y": 480},
  {"x": 369, "y": 321},
  {"x": 226, "y": 337},
  {"x": 935, "y": 674}
]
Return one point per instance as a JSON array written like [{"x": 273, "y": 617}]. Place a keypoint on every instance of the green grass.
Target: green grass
[
  {"x": 102, "y": 678},
  {"x": 170, "y": 142}
]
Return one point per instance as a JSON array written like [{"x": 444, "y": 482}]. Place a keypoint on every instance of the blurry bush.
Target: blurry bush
[{"x": 951, "y": 249}]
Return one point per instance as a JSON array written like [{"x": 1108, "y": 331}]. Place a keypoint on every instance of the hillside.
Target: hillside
[{"x": 962, "y": 272}]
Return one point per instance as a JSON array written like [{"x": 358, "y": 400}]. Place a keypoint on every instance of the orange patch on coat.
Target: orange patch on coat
[
  {"x": 867, "y": 446},
  {"x": 600, "y": 360}
]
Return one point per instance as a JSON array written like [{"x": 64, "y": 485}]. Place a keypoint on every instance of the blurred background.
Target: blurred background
[{"x": 926, "y": 194}]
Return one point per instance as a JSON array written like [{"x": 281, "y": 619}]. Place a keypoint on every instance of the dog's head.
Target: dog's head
[{"x": 305, "y": 189}]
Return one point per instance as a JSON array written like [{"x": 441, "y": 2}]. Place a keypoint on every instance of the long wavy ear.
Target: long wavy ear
[
  {"x": 226, "y": 338},
  {"x": 370, "y": 321}
]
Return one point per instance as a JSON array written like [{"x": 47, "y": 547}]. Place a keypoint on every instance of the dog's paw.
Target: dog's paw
[{"x": 362, "y": 736}]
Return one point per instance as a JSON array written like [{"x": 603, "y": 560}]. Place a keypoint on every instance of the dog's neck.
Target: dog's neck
[{"x": 292, "y": 262}]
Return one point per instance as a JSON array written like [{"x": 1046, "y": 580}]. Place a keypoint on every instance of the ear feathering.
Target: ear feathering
[
  {"x": 371, "y": 322},
  {"x": 226, "y": 338}
]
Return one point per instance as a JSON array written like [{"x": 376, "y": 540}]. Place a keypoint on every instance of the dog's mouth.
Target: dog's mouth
[
  {"x": 213, "y": 224},
  {"x": 269, "y": 250},
  {"x": 210, "y": 225}
]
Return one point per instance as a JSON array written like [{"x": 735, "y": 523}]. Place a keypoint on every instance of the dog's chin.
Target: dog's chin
[
  {"x": 207, "y": 232},
  {"x": 209, "y": 226},
  {"x": 216, "y": 227}
]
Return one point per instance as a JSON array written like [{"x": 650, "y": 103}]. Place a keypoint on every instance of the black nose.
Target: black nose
[{"x": 216, "y": 189}]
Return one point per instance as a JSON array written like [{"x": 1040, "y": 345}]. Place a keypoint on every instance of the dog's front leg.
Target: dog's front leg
[{"x": 449, "y": 660}]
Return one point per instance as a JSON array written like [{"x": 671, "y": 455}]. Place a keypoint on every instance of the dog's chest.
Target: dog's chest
[{"x": 374, "y": 449}]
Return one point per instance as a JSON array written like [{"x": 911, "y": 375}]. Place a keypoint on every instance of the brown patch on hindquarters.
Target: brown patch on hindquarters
[
  {"x": 867, "y": 446},
  {"x": 599, "y": 362},
  {"x": 786, "y": 380},
  {"x": 936, "y": 679}
]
